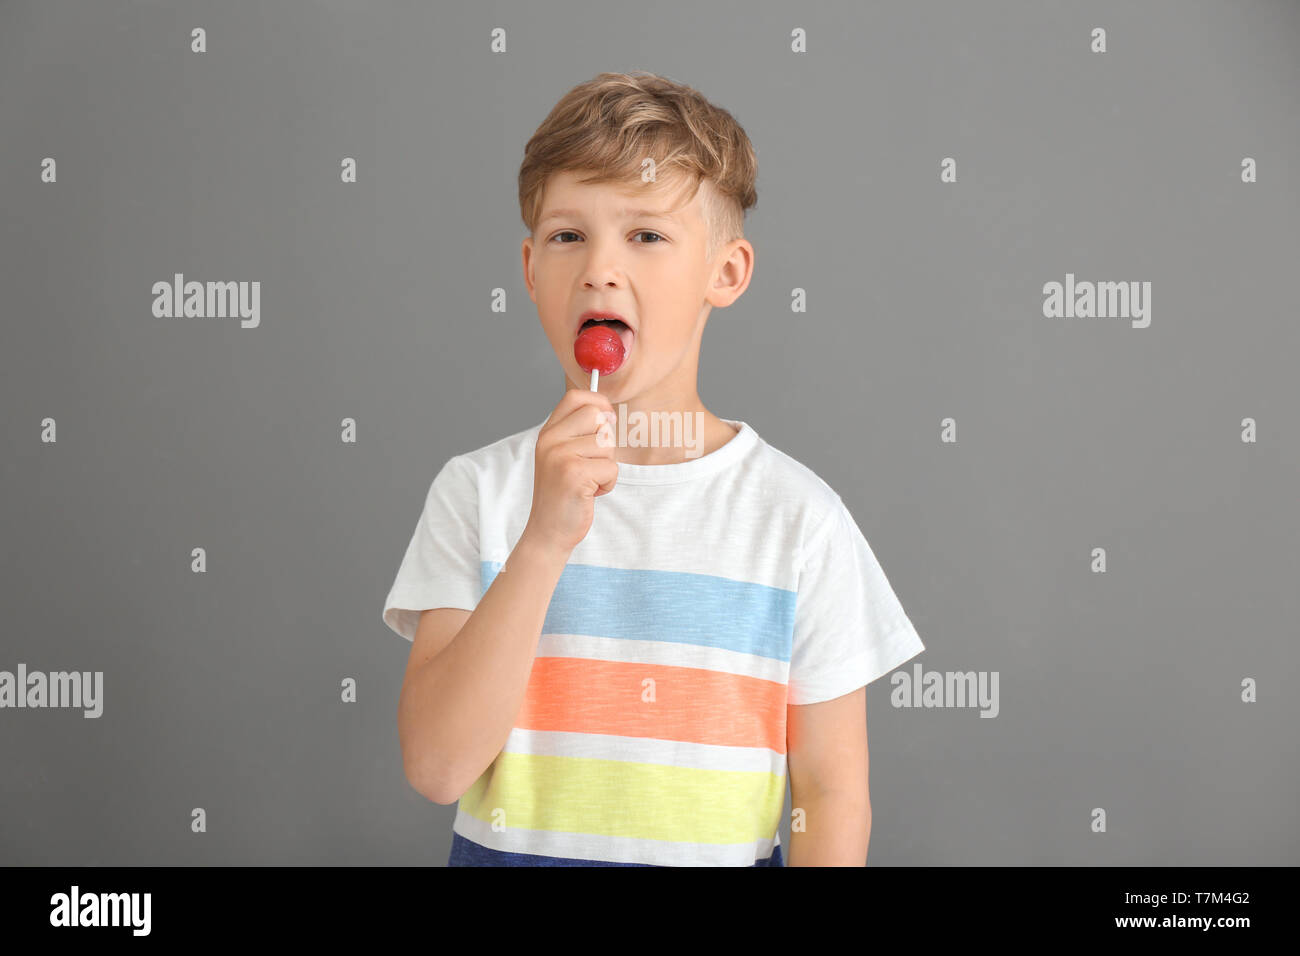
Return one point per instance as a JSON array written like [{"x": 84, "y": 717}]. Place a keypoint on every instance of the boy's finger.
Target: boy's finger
[
  {"x": 608, "y": 485},
  {"x": 574, "y": 399},
  {"x": 588, "y": 446},
  {"x": 586, "y": 419}
]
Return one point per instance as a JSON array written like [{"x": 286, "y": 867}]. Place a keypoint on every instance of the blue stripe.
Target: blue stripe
[
  {"x": 468, "y": 853},
  {"x": 674, "y": 606}
]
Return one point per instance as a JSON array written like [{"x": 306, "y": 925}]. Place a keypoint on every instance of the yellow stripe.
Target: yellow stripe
[{"x": 626, "y": 799}]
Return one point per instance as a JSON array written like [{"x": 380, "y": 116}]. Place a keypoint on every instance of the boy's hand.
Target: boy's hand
[{"x": 574, "y": 465}]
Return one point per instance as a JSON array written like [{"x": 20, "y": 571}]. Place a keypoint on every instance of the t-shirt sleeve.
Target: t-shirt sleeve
[
  {"x": 849, "y": 625},
  {"x": 441, "y": 565}
]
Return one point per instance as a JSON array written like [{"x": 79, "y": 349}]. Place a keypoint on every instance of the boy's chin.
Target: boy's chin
[
  {"x": 612, "y": 390},
  {"x": 609, "y": 385}
]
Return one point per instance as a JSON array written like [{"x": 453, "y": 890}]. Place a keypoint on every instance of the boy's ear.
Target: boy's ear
[
  {"x": 526, "y": 252},
  {"x": 734, "y": 270}
]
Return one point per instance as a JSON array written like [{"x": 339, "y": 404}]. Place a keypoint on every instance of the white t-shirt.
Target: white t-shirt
[{"x": 707, "y": 596}]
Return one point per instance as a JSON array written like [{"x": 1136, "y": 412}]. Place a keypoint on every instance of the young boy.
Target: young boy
[{"x": 618, "y": 646}]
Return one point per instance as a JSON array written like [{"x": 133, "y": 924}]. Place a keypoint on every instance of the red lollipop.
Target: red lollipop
[{"x": 599, "y": 351}]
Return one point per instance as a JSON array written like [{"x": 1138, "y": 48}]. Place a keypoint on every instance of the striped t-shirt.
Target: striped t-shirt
[{"x": 707, "y": 596}]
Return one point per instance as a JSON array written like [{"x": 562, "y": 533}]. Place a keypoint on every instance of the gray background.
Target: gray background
[{"x": 1118, "y": 690}]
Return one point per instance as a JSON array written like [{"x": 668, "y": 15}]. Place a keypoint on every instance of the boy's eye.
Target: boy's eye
[{"x": 647, "y": 232}]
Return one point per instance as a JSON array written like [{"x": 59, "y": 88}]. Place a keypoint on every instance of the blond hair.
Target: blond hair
[{"x": 608, "y": 125}]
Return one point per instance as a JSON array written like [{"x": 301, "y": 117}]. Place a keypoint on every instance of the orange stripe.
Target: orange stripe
[{"x": 587, "y": 696}]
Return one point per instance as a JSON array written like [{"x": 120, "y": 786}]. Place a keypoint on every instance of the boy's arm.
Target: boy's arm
[
  {"x": 826, "y": 751},
  {"x": 463, "y": 688}
]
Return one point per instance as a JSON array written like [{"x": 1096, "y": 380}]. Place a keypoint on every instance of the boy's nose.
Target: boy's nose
[
  {"x": 602, "y": 267},
  {"x": 602, "y": 279}
]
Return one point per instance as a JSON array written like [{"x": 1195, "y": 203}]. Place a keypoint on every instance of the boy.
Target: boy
[{"x": 618, "y": 647}]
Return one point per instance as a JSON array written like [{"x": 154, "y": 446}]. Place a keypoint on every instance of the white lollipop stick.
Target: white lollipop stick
[{"x": 595, "y": 376}]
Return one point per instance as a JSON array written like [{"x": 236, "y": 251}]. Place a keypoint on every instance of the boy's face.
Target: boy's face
[{"x": 598, "y": 247}]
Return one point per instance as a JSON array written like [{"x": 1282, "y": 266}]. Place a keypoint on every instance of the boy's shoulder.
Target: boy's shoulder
[
  {"x": 789, "y": 481},
  {"x": 789, "y": 472}
]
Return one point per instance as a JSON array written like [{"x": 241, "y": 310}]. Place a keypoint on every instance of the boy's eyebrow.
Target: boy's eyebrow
[{"x": 626, "y": 213}]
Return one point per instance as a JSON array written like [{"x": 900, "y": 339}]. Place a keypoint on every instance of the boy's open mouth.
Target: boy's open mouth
[{"x": 621, "y": 328}]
